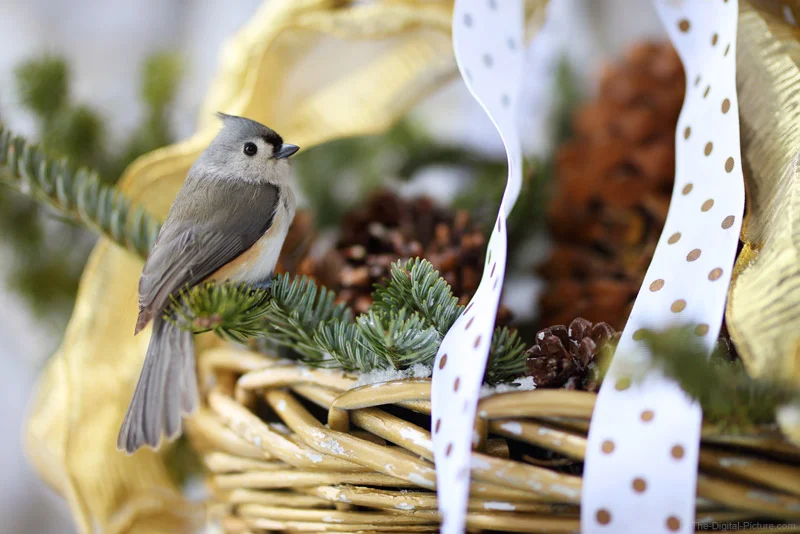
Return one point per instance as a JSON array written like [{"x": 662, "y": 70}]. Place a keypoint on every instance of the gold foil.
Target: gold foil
[{"x": 763, "y": 312}]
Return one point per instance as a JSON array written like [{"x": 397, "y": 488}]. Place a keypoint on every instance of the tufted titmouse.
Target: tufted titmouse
[{"x": 228, "y": 222}]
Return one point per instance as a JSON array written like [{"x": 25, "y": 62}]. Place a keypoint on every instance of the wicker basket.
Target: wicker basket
[{"x": 293, "y": 449}]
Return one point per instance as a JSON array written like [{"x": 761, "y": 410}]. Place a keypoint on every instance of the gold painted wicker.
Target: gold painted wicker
[{"x": 294, "y": 449}]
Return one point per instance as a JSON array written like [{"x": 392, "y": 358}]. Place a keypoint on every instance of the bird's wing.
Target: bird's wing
[{"x": 208, "y": 226}]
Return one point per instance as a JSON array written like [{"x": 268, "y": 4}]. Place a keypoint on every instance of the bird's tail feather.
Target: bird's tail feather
[{"x": 166, "y": 390}]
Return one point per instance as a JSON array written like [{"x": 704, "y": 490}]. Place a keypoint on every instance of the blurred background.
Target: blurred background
[{"x": 103, "y": 82}]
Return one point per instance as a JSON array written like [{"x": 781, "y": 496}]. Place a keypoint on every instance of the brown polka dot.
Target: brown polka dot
[
  {"x": 639, "y": 485},
  {"x": 639, "y": 334},
  {"x": 708, "y": 89},
  {"x": 471, "y": 304},
  {"x": 707, "y": 205},
  {"x": 494, "y": 286},
  {"x": 607, "y": 447},
  {"x": 456, "y": 384},
  {"x": 678, "y": 306},
  {"x": 494, "y": 265},
  {"x": 714, "y": 39},
  {"x": 603, "y": 516},
  {"x": 715, "y": 274},
  {"x": 622, "y": 383},
  {"x": 697, "y": 81},
  {"x": 727, "y": 49},
  {"x": 673, "y": 523},
  {"x": 726, "y": 105},
  {"x": 448, "y": 449},
  {"x": 499, "y": 224},
  {"x": 729, "y": 165},
  {"x": 674, "y": 238},
  {"x": 443, "y": 361},
  {"x": 727, "y": 222},
  {"x": 469, "y": 323},
  {"x": 687, "y": 132},
  {"x": 683, "y": 25},
  {"x": 677, "y": 452},
  {"x": 687, "y": 189},
  {"x": 656, "y": 285},
  {"x": 477, "y": 341},
  {"x": 709, "y": 147},
  {"x": 693, "y": 255},
  {"x": 647, "y": 416},
  {"x": 701, "y": 330},
  {"x": 438, "y": 426}
]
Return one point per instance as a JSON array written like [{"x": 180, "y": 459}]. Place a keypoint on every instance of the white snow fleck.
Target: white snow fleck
[
  {"x": 379, "y": 376},
  {"x": 332, "y": 445},
  {"x": 520, "y": 384},
  {"x": 496, "y": 505},
  {"x": 416, "y": 438},
  {"x": 331, "y": 519},
  {"x": 421, "y": 481},
  {"x": 404, "y": 506},
  {"x": 567, "y": 491},
  {"x": 763, "y": 496},
  {"x": 513, "y": 426},
  {"x": 734, "y": 462},
  {"x": 281, "y": 405},
  {"x": 479, "y": 463},
  {"x": 316, "y": 458}
]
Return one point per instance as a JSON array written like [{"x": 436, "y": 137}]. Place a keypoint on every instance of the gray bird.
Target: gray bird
[{"x": 228, "y": 222}]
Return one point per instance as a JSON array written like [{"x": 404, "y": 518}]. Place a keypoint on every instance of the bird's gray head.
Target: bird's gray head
[{"x": 245, "y": 149}]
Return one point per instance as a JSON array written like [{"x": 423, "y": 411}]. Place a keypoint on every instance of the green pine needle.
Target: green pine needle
[
  {"x": 399, "y": 339},
  {"x": 730, "y": 398},
  {"x": 417, "y": 284},
  {"x": 77, "y": 195}
]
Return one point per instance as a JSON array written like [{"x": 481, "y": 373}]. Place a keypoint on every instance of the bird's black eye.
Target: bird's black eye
[{"x": 250, "y": 149}]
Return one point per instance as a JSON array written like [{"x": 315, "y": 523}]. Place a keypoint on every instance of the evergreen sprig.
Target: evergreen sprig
[
  {"x": 78, "y": 195},
  {"x": 410, "y": 316},
  {"x": 730, "y": 398}
]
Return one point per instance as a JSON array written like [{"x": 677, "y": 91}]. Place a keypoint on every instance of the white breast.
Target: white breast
[{"x": 262, "y": 258}]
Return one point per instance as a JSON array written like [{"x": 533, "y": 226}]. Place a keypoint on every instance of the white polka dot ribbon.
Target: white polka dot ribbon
[
  {"x": 640, "y": 473},
  {"x": 487, "y": 38}
]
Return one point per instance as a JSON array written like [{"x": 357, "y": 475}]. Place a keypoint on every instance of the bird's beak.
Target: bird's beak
[{"x": 286, "y": 150}]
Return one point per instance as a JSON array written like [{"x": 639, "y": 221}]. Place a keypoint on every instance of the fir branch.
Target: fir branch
[
  {"x": 506, "y": 356},
  {"x": 400, "y": 338},
  {"x": 78, "y": 195},
  {"x": 417, "y": 284},
  {"x": 730, "y": 398},
  {"x": 412, "y": 312},
  {"x": 232, "y": 311}
]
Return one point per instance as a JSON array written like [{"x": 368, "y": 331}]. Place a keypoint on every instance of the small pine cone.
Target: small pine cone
[{"x": 565, "y": 357}]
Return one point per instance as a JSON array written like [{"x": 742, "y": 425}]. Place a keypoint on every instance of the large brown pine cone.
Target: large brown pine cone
[
  {"x": 566, "y": 356},
  {"x": 612, "y": 189}
]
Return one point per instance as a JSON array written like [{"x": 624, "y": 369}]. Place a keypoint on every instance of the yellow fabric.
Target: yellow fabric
[{"x": 763, "y": 313}]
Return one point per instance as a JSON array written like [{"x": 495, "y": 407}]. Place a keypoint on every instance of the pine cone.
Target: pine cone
[
  {"x": 565, "y": 357},
  {"x": 388, "y": 228},
  {"x": 612, "y": 189}
]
